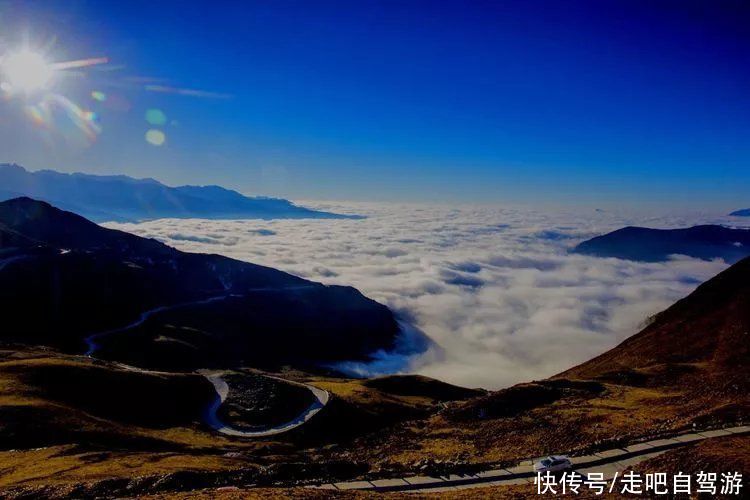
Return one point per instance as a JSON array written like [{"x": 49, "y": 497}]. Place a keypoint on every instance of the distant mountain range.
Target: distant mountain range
[
  {"x": 69, "y": 283},
  {"x": 122, "y": 198},
  {"x": 656, "y": 245},
  {"x": 745, "y": 212}
]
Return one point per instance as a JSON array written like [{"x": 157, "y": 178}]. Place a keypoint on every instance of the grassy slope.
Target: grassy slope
[
  {"x": 70, "y": 464},
  {"x": 357, "y": 409},
  {"x": 66, "y": 397},
  {"x": 57, "y": 422},
  {"x": 728, "y": 454},
  {"x": 96, "y": 422}
]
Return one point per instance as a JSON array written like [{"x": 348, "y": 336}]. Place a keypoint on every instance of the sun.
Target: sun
[{"x": 26, "y": 71}]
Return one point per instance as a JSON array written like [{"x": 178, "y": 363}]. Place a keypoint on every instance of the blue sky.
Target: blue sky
[{"x": 605, "y": 102}]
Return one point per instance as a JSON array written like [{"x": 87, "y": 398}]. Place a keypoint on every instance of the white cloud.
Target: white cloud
[{"x": 494, "y": 287}]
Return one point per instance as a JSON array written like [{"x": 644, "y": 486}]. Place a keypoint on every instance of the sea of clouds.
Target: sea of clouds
[{"x": 495, "y": 288}]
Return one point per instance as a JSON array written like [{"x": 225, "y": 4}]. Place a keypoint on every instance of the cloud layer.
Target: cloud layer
[{"x": 494, "y": 287}]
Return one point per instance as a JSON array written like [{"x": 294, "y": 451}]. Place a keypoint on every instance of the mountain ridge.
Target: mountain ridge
[
  {"x": 68, "y": 279},
  {"x": 656, "y": 245},
  {"x": 122, "y": 198}
]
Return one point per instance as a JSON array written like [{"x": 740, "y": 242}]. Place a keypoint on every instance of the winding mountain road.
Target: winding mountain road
[
  {"x": 221, "y": 387},
  {"x": 92, "y": 346},
  {"x": 610, "y": 463}
]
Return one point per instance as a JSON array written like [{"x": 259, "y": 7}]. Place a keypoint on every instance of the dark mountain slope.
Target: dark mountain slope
[
  {"x": 41, "y": 222},
  {"x": 78, "y": 279},
  {"x": 745, "y": 212},
  {"x": 655, "y": 245},
  {"x": 11, "y": 240},
  {"x": 117, "y": 197}
]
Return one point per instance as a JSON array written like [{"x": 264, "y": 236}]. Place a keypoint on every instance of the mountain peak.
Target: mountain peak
[
  {"x": 12, "y": 166},
  {"x": 18, "y": 210},
  {"x": 42, "y": 222}
]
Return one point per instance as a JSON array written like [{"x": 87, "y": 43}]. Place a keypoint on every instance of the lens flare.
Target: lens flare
[
  {"x": 156, "y": 117},
  {"x": 43, "y": 115},
  {"x": 80, "y": 63},
  {"x": 155, "y": 137},
  {"x": 28, "y": 78},
  {"x": 165, "y": 89}
]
